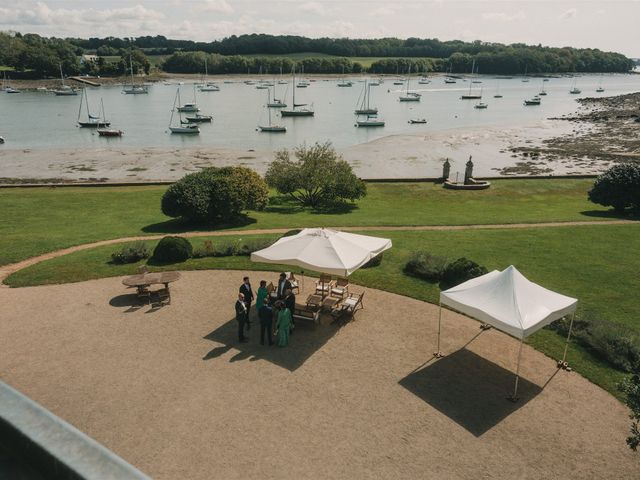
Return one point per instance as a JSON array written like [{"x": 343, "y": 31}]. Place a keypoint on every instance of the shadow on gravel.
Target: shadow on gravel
[{"x": 470, "y": 390}]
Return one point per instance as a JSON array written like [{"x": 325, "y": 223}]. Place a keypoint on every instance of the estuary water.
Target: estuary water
[{"x": 41, "y": 120}]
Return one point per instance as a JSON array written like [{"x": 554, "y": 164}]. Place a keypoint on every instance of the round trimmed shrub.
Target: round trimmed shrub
[
  {"x": 172, "y": 250},
  {"x": 215, "y": 195},
  {"x": 618, "y": 187},
  {"x": 426, "y": 266},
  {"x": 460, "y": 271}
]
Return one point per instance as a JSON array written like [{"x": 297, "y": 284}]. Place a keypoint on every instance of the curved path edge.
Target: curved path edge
[{"x": 7, "y": 270}]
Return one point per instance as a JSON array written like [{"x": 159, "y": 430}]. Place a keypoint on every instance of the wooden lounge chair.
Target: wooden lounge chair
[
  {"x": 305, "y": 312},
  {"x": 324, "y": 285},
  {"x": 348, "y": 307},
  {"x": 341, "y": 288}
]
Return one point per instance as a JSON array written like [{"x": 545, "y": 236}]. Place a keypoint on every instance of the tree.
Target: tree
[
  {"x": 631, "y": 388},
  {"x": 317, "y": 177},
  {"x": 618, "y": 187},
  {"x": 215, "y": 194}
]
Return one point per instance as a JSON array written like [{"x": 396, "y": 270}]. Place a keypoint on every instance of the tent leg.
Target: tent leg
[
  {"x": 438, "y": 353},
  {"x": 514, "y": 397},
  {"x": 563, "y": 363}
]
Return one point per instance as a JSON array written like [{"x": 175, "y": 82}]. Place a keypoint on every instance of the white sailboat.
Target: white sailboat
[
  {"x": 190, "y": 107},
  {"x": 64, "y": 90},
  {"x": 295, "y": 111},
  {"x": 410, "y": 96},
  {"x": 183, "y": 127},
  {"x": 208, "y": 86},
  {"x": 134, "y": 89},
  {"x": 524, "y": 78},
  {"x": 344, "y": 82},
  {"x": 92, "y": 121},
  {"x": 498, "y": 94},
  {"x": 270, "y": 127},
  {"x": 5, "y": 85},
  {"x": 600, "y": 88}
]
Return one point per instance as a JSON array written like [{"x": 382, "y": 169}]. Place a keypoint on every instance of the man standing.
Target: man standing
[
  {"x": 265, "y": 314},
  {"x": 290, "y": 303},
  {"x": 241, "y": 317},
  {"x": 245, "y": 290},
  {"x": 283, "y": 286}
]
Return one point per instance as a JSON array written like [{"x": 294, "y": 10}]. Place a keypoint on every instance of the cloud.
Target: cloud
[
  {"x": 571, "y": 13},
  {"x": 503, "y": 17},
  {"x": 382, "y": 12},
  {"x": 313, "y": 7},
  {"x": 219, "y": 6}
]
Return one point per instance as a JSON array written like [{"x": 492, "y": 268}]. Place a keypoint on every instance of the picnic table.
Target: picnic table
[{"x": 147, "y": 279}]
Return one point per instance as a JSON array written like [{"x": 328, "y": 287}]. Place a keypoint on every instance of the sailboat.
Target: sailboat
[
  {"x": 398, "y": 80},
  {"x": 190, "y": 107},
  {"x": 134, "y": 89},
  {"x": 533, "y": 101},
  {"x": 64, "y": 90},
  {"x": 366, "y": 115},
  {"x": 543, "y": 92},
  {"x": 575, "y": 90},
  {"x": 472, "y": 96},
  {"x": 364, "y": 107},
  {"x": 600, "y": 88},
  {"x": 271, "y": 128},
  {"x": 92, "y": 121},
  {"x": 449, "y": 78},
  {"x": 524, "y": 78},
  {"x": 276, "y": 102},
  {"x": 344, "y": 82},
  {"x": 6, "y": 87},
  {"x": 303, "y": 83},
  {"x": 208, "y": 86},
  {"x": 108, "y": 132},
  {"x": 409, "y": 96},
  {"x": 424, "y": 80},
  {"x": 183, "y": 127},
  {"x": 498, "y": 94},
  {"x": 295, "y": 111}
]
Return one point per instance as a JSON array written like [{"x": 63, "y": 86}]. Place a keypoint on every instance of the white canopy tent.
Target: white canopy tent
[
  {"x": 324, "y": 250},
  {"x": 509, "y": 302}
]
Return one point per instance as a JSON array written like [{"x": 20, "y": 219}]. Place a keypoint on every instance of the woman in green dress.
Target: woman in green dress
[
  {"x": 283, "y": 325},
  {"x": 262, "y": 293}
]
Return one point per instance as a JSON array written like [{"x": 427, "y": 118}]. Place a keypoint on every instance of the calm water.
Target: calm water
[{"x": 41, "y": 120}]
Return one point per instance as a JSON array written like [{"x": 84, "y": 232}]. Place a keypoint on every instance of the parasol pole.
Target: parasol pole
[{"x": 563, "y": 363}]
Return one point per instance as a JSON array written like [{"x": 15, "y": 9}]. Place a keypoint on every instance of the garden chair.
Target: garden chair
[
  {"x": 348, "y": 307},
  {"x": 324, "y": 284},
  {"x": 305, "y": 312},
  {"x": 341, "y": 288}
]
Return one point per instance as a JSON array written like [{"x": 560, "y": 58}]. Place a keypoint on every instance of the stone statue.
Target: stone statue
[
  {"x": 446, "y": 169},
  {"x": 468, "y": 172}
]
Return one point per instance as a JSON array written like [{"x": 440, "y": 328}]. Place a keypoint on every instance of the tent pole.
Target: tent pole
[
  {"x": 438, "y": 353},
  {"x": 563, "y": 362},
  {"x": 514, "y": 397}
]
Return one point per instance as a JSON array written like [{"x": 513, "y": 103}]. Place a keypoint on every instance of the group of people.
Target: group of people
[{"x": 275, "y": 313}]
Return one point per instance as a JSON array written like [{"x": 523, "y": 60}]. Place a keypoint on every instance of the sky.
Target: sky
[{"x": 612, "y": 25}]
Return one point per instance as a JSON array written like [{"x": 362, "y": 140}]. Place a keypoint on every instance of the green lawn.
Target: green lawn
[
  {"x": 596, "y": 264},
  {"x": 39, "y": 220}
]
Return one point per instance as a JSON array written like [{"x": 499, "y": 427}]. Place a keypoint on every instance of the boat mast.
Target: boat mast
[
  {"x": 80, "y": 107},
  {"x": 61, "y": 75},
  {"x": 104, "y": 115},
  {"x": 293, "y": 73}
]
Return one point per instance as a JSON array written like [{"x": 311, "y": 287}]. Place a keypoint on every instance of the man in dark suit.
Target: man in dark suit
[
  {"x": 241, "y": 317},
  {"x": 283, "y": 286},
  {"x": 245, "y": 289},
  {"x": 265, "y": 314}
]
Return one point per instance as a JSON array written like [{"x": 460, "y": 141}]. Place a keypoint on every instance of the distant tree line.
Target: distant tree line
[
  {"x": 193, "y": 62},
  {"x": 42, "y": 56}
]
